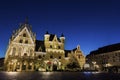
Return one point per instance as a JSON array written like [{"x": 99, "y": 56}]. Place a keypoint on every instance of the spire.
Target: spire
[
  {"x": 62, "y": 35},
  {"x": 46, "y": 32},
  {"x": 26, "y": 20}
]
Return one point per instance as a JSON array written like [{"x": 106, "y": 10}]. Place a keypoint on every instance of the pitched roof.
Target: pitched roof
[
  {"x": 51, "y": 37},
  {"x": 105, "y": 49},
  {"x": 67, "y": 52},
  {"x": 22, "y": 26},
  {"x": 39, "y": 44},
  {"x": 74, "y": 49}
]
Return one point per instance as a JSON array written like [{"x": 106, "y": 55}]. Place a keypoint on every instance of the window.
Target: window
[
  {"x": 18, "y": 67},
  {"x": 116, "y": 54},
  {"x": 59, "y": 57},
  {"x": 25, "y": 54},
  {"x": 79, "y": 56},
  {"x": 14, "y": 51},
  {"x": 29, "y": 67},
  {"x": 31, "y": 52},
  {"x": 26, "y": 41},
  {"x": 24, "y": 35},
  {"x": 58, "y": 47},
  {"x": 50, "y": 46},
  {"x": 19, "y": 52},
  {"x": 39, "y": 57},
  {"x": 20, "y": 41},
  {"x": 43, "y": 55},
  {"x": 51, "y": 56}
]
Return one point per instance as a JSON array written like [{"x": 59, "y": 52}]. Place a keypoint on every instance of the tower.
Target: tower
[
  {"x": 46, "y": 39},
  {"x": 20, "y": 51},
  {"x": 62, "y": 38}
]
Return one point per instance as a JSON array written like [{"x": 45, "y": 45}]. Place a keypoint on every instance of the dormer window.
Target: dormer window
[
  {"x": 24, "y": 35},
  {"x": 20, "y": 41}
]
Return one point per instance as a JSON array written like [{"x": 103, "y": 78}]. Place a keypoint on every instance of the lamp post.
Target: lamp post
[{"x": 94, "y": 63}]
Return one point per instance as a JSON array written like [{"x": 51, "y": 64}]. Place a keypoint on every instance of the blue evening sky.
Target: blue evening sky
[{"x": 89, "y": 23}]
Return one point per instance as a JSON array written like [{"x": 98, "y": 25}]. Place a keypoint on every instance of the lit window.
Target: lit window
[
  {"x": 24, "y": 35},
  {"x": 29, "y": 66}
]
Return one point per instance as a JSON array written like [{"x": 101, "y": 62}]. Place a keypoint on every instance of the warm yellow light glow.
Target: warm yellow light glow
[
  {"x": 47, "y": 73},
  {"x": 12, "y": 73},
  {"x": 94, "y": 62}
]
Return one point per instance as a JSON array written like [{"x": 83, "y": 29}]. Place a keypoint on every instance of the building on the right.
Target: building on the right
[{"x": 105, "y": 58}]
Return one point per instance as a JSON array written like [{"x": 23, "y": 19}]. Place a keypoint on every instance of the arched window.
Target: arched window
[
  {"x": 51, "y": 56},
  {"x": 24, "y": 35},
  {"x": 19, "y": 52},
  {"x": 31, "y": 52},
  {"x": 20, "y": 41},
  {"x": 25, "y": 54},
  {"x": 26, "y": 41},
  {"x": 14, "y": 51},
  {"x": 59, "y": 57}
]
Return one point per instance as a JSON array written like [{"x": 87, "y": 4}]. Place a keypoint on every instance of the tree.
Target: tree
[{"x": 73, "y": 62}]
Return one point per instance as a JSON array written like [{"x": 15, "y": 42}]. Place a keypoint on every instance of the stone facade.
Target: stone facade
[
  {"x": 106, "y": 58},
  {"x": 25, "y": 53}
]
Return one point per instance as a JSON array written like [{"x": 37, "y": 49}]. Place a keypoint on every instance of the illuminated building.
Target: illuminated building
[
  {"x": 25, "y": 53},
  {"x": 106, "y": 58}
]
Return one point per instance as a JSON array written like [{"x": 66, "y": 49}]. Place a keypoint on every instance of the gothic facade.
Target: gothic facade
[{"x": 25, "y": 53}]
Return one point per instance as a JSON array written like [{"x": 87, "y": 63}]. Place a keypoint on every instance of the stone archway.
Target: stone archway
[
  {"x": 24, "y": 66},
  {"x": 55, "y": 65}
]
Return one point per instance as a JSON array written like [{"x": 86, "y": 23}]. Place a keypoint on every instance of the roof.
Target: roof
[
  {"x": 39, "y": 44},
  {"x": 67, "y": 52},
  {"x": 47, "y": 32},
  {"x": 62, "y": 35},
  {"x": 52, "y": 37},
  {"x": 105, "y": 49},
  {"x": 74, "y": 49},
  {"x": 22, "y": 26}
]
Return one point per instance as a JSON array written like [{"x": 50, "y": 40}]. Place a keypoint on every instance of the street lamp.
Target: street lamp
[{"x": 94, "y": 63}]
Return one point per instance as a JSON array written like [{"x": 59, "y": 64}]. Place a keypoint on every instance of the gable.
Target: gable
[
  {"x": 55, "y": 39},
  {"x": 24, "y": 36}
]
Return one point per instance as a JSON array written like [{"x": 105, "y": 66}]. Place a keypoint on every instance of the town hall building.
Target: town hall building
[{"x": 25, "y": 53}]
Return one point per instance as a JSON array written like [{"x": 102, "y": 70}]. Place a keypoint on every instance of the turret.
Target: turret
[
  {"x": 62, "y": 38},
  {"x": 46, "y": 36}
]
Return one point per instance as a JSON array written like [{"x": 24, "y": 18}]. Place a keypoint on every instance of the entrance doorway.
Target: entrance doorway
[{"x": 54, "y": 67}]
